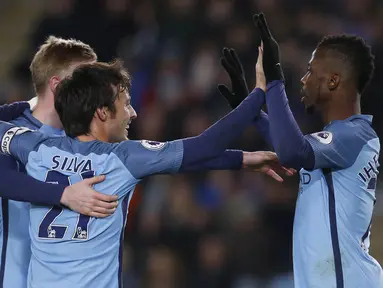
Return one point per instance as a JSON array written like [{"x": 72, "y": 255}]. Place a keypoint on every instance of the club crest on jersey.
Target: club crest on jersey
[
  {"x": 152, "y": 145},
  {"x": 8, "y": 136},
  {"x": 323, "y": 137}
]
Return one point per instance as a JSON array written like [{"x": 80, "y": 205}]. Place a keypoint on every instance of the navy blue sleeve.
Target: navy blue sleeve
[
  {"x": 21, "y": 187},
  {"x": 228, "y": 160},
  {"x": 261, "y": 123},
  {"x": 292, "y": 148},
  {"x": 149, "y": 157},
  {"x": 214, "y": 141},
  {"x": 9, "y": 112}
]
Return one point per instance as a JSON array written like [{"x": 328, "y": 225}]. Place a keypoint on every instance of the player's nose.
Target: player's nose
[
  {"x": 133, "y": 114},
  {"x": 303, "y": 80}
]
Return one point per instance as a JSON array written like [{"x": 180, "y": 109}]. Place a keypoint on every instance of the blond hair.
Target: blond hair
[{"x": 55, "y": 55}]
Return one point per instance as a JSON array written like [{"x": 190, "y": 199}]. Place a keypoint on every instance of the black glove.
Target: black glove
[
  {"x": 271, "y": 56},
  {"x": 233, "y": 67}
]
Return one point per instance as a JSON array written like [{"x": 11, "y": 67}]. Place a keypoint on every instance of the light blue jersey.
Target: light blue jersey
[
  {"x": 73, "y": 250},
  {"x": 14, "y": 239},
  {"x": 334, "y": 209}
]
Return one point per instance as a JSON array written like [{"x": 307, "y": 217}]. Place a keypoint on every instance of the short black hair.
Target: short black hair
[
  {"x": 90, "y": 87},
  {"x": 356, "y": 52}
]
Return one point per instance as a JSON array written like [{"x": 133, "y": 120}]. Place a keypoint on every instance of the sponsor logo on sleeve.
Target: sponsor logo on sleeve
[
  {"x": 153, "y": 145},
  {"x": 324, "y": 137}
]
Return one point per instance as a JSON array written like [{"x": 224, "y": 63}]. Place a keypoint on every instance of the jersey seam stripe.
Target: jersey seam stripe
[
  {"x": 334, "y": 229},
  {"x": 4, "y": 206},
  {"x": 124, "y": 207}
]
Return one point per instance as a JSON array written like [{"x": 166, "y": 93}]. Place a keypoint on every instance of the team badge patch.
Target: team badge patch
[
  {"x": 8, "y": 136},
  {"x": 153, "y": 145},
  {"x": 323, "y": 137}
]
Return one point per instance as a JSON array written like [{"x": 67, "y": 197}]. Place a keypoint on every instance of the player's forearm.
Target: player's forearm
[
  {"x": 21, "y": 187},
  {"x": 218, "y": 137},
  {"x": 261, "y": 123},
  {"x": 9, "y": 112},
  {"x": 292, "y": 148},
  {"x": 228, "y": 160}
]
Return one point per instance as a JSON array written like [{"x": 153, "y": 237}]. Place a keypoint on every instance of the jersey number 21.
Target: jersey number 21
[{"x": 48, "y": 228}]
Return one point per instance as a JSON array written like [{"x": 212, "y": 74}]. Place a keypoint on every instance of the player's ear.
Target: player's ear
[
  {"x": 102, "y": 114},
  {"x": 333, "y": 82},
  {"x": 53, "y": 82}
]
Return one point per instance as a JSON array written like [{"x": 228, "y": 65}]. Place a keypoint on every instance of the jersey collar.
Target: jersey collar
[
  {"x": 40, "y": 126},
  {"x": 46, "y": 129},
  {"x": 365, "y": 117},
  {"x": 29, "y": 117}
]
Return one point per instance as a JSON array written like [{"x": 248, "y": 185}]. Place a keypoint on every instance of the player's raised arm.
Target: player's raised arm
[
  {"x": 327, "y": 149},
  {"x": 173, "y": 156},
  {"x": 336, "y": 148},
  {"x": 200, "y": 152},
  {"x": 240, "y": 90},
  {"x": 287, "y": 139}
]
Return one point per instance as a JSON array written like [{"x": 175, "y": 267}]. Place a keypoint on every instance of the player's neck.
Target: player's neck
[
  {"x": 94, "y": 134},
  {"x": 340, "y": 111},
  {"x": 86, "y": 138},
  {"x": 45, "y": 112}
]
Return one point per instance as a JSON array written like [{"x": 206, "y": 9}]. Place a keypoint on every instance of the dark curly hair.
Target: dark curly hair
[{"x": 355, "y": 52}]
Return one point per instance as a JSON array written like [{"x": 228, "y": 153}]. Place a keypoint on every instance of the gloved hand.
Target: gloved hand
[
  {"x": 271, "y": 54},
  {"x": 233, "y": 67}
]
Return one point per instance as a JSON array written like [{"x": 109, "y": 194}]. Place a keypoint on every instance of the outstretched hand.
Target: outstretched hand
[
  {"x": 266, "y": 162},
  {"x": 233, "y": 66},
  {"x": 271, "y": 55},
  {"x": 259, "y": 71}
]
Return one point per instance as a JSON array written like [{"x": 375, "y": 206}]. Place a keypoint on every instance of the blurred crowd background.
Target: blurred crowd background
[{"x": 217, "y": 229}]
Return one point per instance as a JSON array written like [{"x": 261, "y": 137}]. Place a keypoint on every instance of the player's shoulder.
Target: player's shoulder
[
  {"x": 27, "y": 120},
  {"x": 351, "y": 135},
  {"x": 21, "y": 121},
  {"x": 360, "y": 125},
  {"x": 82, "y": 147},
  {"x": 134, "y": 146},
  {"x": 356, "y": 128}
]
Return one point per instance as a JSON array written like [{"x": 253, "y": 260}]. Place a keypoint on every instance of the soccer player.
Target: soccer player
[
  {"x": 55, "y": 60},
  {"x": 339, "y": 165},
  {"x": 94, "y": 107},
  {"x": 18, "y": 186}
]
